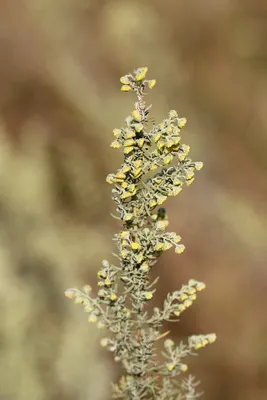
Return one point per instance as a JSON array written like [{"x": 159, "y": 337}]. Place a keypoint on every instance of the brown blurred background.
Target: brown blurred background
[{"x": 59, "y": 101}]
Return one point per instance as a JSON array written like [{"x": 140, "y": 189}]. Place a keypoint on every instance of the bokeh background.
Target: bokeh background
[{"x": 59, "y": 101}]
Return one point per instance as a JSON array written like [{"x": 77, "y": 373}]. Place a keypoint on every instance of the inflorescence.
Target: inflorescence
[{"x": 125, "y": 289}]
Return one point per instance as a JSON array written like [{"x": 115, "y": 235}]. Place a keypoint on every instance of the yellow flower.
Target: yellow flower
[
  {"x": 191, "y": 290},
  {"x": 115, "y": 145},
  {"x": 116, "y": 132},
  {"x": 127, "y": 217},
  {"x": 126, "y": 88},
  {"x": 152, "y": 203},
  {"x": 161, "y": 144},
  {"x": 157, "y": 137},
  {"x": 128, "y": 150},
  {"x": 113, "y": 297},
  {"x": 212, "y": 337},
  {"x": 141, "y": 142},
  {"x": 136, "y": 115},
  {"x": 168, "y": 159},
  {"x": 125, "y": 234},
  {"x": 138, "y": 127},
  {"x": 144, "y": 267},
  {"x": 183, "y": 367},
  {"x": 70, "y": 293},
  {"x": 88, "y": 308},
  {"x": 173, "y": 114},
  {"x": 136, "y": 246},
  {"x": 148, "y": 295},
  {"x": 167, "y": 246},
  {"x": 138, "y": 163},
  {"x": 139, "y": 258},
  {"x": 129, "y": 142},
  {"x": 126, "y": 195},
  {"x": 151, "y": 83},
  {"x": 130, "y": 135},
  {"x": 102, "y": 274},
  {"x": 124, "y": 253},
  {"x": 125, "y": 80},
  {"x": 179, "y": 249},
  {"x": 198, "y": 165},
  {"x": 110, "y": 179},
  {"x": 104, "y": 342},
  {"x": 188, "y": 182},
  {"x": 137, "y": 172},
  {"x": 79, "y": 300},
  {"x": 92, "y": 318},
  {"x": 188, "y": 303},
  {"x": 200, "y": 286},
  {"x": 182, "y": 122},
  {"x": 120, "y": 175},
  {"x": 162, "y": 224},
  {"x": 161, "y": 199},
  {"x": 170, "y": 366},
  {"x": 159, "y": 246},
  {"x": 141, "y": 74},
  {"x": 125, "y": 169},
  {"x": 176, "y": 191}
]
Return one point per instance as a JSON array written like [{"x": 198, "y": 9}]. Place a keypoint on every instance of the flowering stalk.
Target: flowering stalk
[{"x": 125, "y": 289}]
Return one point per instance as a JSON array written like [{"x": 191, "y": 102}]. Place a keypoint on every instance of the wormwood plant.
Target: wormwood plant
[{"x": 133, "y": 331}]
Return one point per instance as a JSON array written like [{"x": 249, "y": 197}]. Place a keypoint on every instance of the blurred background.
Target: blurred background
[{"x": 59, "y": 101}]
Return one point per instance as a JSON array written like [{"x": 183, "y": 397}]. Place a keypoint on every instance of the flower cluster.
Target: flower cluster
[{"x": 125, "y": 289}]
